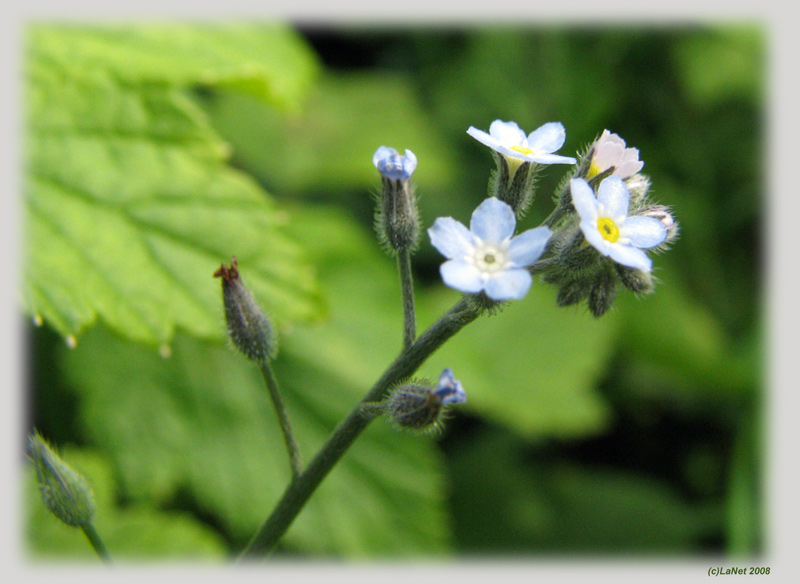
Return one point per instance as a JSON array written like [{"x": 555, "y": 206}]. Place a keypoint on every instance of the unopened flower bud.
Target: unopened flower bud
[
  {"x": 416, "y": 406},
  {"x": 248, "y": 327},
  {"x": 397, "y": 218},
  {"x": 65, "y": 492}
]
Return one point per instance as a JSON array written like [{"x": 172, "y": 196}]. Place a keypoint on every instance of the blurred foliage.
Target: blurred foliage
[{"x": 639, "y": 433}]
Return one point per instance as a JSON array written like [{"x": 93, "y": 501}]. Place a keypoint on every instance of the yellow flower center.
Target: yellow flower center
[
  {"x": 608, "y": 229},
  {"x": 522, "y": 150},
  {"x": 594, "y": 170}
]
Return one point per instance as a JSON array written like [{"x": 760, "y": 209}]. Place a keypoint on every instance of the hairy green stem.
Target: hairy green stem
[
  {"x": 97, "y": 543},
  {"x": 303, "y": 486},
  {"x": 283, "y": 419},
  {"x": 407, "y": 287}
]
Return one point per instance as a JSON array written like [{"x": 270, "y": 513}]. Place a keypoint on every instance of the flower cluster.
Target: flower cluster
[{"x": 598, "y": 237}]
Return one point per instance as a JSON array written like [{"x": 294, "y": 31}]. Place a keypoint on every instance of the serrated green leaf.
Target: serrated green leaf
[
  {"x": 268, "y": 61},
  {"x": 136, "y": 532},
  {"x": 131, "y": 207}
]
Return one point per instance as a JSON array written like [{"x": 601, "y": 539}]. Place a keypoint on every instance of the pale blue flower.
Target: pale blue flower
[
  {"x": 487, "y": 257},
  {"x": 449, "y": 389},
  {"x": 393, "y": 166},
  {"x": 608, "y": 228},
  {"x": 508, "y": 139}
]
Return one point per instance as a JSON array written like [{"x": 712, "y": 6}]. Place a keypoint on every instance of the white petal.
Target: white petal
[
  {"x": 552, "y": 159},
  {"x": 483, "y": 137},
  {"x": 462, "y": 276},
  {"x": 509, "y": 285},
  {"x": 643, "y": 232},
  {"x": 629, "y": 168},
  {"x": 583, "y": 199},
  {"x": 528, "y": 246},
  {"x": 451, "y": 238},
  {"x": 630, "y": 256},
  {"x": 493, "y": 220},
  {"x": 547, "y": 138},
  {"x": 410, "y": 162},
  {"x": 507, "y": 133},
  {"x": 613, "y": 196}
]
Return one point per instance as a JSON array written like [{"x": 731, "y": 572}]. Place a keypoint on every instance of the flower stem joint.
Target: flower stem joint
[
  {"x": 397, "y": 217},
  {"x": 418, "y": 407},
  {"x": 248, "y": 328}
]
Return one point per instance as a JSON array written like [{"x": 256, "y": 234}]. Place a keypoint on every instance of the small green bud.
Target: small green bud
[
  {"x": 248, "y": 328},
  {"x": 65, "y": 492},
  {"x": 635, "y": 280}
]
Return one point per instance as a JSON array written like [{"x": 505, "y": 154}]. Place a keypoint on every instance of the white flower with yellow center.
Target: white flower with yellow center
[
  {"x": 608, "y": 228},
  {"x": 509, "y": 140},
  {"x": 487, "y": 257},
  {"x": 610, "y": 151}
]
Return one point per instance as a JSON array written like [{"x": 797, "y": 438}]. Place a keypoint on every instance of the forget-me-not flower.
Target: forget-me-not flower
[
  {"x": 509, "y": 140},
  {"x": 608, "y": 228},
  {"x": 393, "y": 166},
  {"x": 487, "y": 257},
  {"x": 610, "y": 150}
]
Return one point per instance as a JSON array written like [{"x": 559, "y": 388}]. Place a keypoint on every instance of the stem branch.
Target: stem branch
[
  {"x": 304, "y": 484},
  {"x": 407, "y": 286}
]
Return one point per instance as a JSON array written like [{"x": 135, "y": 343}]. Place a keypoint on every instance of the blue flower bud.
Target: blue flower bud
[
  {"x": 416, "y": 406},
  {"x": 397, "y": 217}
]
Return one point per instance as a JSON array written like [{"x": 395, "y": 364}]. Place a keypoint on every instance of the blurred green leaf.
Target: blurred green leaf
[
  {"x": 268, "y": 61},
  {"x": 534, "y": 367},
  {"x": 131, "y": 205},
  {"x": 136, "y": 532},
  {"x": 723, "y": 62},
  {"x": 329, "y": 145},
  {"x": 512, "y": 501}
]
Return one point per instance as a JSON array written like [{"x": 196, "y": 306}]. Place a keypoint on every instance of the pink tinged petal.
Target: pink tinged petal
[
  {"x": 629, "y": 168},
  {"x": 507, "y": 133},
  {"x": 631, "y": 257},
  {"x": 451, "y": 238},
  {"x": 547, "y": 138},
  {"x": 462, "y": 276},
  {"x": 509, "y": 285},
  {"x": 643, "y": 232},
  {"x": 493, "y": 220},
  {"x": 483, "y": 137},
  {"x": 607, "y": 155},
  {"x": 614, "y": 198},
  {"x": 584, "y": 201},
  {"x": 528, "y": 246}
]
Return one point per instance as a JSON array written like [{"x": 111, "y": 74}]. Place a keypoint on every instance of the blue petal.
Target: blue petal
[
  {"x": 584, "y": 200},
  {"x": 528, "y": 246},
  {"x": 613, "y": 196},
  {"x": 630, "y": 256},
  {"x": 509, "y": 285},
  {"x": 547, "y": 138},
  {"x": 451, "y": 238},
  {"x": 450, "y": 390},
  {"x": 552, "y": 159},
  {"x": 462, "y": 276},
  {"x": 643, "y": 232},
  {"x": 391, "y": 165},
  {"x": 493, "y": 220}
]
